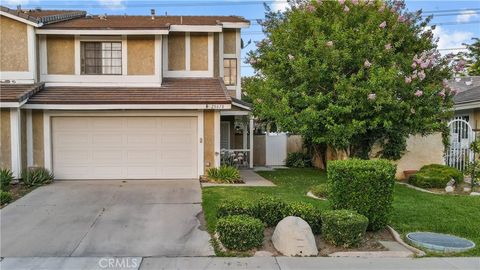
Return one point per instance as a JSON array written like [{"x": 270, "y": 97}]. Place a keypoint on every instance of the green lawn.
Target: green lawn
[{"x": 413, "y": 210}]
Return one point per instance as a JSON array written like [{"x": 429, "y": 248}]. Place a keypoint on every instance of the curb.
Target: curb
[
  {"x": 419, "y": 189},
  {"x": 310, "y": 194},
  {"x": 399, "y": 239}
]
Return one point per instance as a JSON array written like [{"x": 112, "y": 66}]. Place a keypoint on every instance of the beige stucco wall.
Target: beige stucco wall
[
  {"x": 60, "y": 54},
  {"x": 13, "y": 45},
  {"x": 209, "y": 139},
  {"x": 176, "y": 51},
  {"x": 5, "y": 143},
  {"x": 421, "y": 151},
  {"x": 141, "y": 55},
  {"x": 198, "y": 51},
  {"x": 37, "y": 134},
  {"x": 259, "y": 155},
  {"x": 229, "y": 41}
]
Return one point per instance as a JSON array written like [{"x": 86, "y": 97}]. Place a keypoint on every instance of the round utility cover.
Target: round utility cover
[{"x": 438, "y": 242}]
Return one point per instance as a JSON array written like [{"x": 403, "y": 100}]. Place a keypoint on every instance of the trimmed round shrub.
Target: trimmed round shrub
[
  {"x": 343, "y": 227},
  {"x": 224, "y": 174},
  {"x": 435, "y": 176},
  {"x": 232, "y": 207},
  {"x": 240, "y": 232},
  {"x": 5, "y": 197},
  {"x": 365, "y": 186},
  {"x": 36, "y": 176},
  {"x": 270, "y": 210},
  {"x": 298, "y": 160},
  {"x": 320, "y": 190},
  {"x": 6, "y": 177},
  {"x": 307, "y": 212}
]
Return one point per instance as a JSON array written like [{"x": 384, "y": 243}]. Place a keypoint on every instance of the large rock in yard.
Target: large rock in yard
[{"x": 293, "y": 237}]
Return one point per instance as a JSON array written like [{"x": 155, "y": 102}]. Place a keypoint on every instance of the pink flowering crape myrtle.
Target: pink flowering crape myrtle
[{"x": 348, "y": 74}]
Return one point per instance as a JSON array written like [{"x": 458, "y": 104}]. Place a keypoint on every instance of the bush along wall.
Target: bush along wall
[
  {"x": 365, "y": 186},
  {"x": 435, "y": 176}
]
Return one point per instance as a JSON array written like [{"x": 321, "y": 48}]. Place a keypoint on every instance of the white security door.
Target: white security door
[
  {"x": 124, "y": 147},
  {"x": 275, "y": 149}
]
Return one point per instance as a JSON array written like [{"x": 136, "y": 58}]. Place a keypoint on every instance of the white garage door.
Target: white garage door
[{"x": 124, "y": 147}]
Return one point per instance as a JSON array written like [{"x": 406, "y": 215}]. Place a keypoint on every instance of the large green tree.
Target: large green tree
[
  {"x": 349, "y": 74},
  {"x": 473, "y": 57}
]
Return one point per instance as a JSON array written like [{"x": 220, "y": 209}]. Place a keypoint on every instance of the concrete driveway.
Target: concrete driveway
[{"x": 106, "y": 218}]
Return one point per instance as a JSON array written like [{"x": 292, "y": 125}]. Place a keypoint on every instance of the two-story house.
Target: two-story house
[{"x": 120, "y": 97}]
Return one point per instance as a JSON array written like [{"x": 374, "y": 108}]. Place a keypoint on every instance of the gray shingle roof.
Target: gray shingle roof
[{"x": 467, "y": 96}]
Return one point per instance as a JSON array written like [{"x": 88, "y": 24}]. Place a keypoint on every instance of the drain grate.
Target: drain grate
[{"x": 438, "y": 242}]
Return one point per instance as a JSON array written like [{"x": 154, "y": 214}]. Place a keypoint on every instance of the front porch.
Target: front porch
[{"x": 236, "y": 135}]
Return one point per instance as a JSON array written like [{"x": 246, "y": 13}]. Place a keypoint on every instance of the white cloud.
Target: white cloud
[
  {"x": 451, "y": 39},
  {"x": 466, "y": 16},
  {"x": 279, "y": 5},
  {"x": 112, "y": 4}
]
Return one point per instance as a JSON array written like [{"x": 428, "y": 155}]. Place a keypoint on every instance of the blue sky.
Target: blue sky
[{"x": 458, "y": 21}]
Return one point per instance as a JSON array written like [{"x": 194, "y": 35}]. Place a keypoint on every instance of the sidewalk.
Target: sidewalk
[{"x": 274, "y": 263}]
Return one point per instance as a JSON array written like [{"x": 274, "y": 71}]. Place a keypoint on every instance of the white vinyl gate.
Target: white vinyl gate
[
  {"x": 276, "y": 149},
  {"x": 458, "y": 154}
]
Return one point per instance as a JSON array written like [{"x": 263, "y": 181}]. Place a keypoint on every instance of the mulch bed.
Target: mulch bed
[
  {"x": 370, "y": 243},
  {"x": 204, "y": 179},
  {"x": 18, "y": 190}
]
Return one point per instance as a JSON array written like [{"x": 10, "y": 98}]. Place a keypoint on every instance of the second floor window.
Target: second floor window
[
  {"x": 101, "y": 58},
  {"x": 230, "y": 71}
]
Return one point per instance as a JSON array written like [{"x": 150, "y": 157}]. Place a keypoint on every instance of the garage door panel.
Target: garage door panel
[
  {"x": 107, "y": 139},
  {"x": 71, "y": 139},
  {"x": 145, "y": 157},
  {"x": 71, "y": 123},
  {"x": 106, "y": 123},
  {"x": 144, "y": 124},
  {"x": 107, "y": 156},
  {"x": 72, "y": 156},
  {"x": 73, "y": 172},
  {"x": 141, "y": 140},
  {"x": 124, "y": 147}
]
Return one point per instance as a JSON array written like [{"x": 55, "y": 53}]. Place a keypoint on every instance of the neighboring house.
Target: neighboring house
[
  {"x": 120, "y": 97},
  {"x": 467, "y": 101}
]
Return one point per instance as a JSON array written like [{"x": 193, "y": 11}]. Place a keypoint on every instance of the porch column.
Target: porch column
[
  {"x": 244, "y": 134},
  {"x": 251, "y": 142},
  {"x": 15, "y": 141},
  {"x": 216, "y": 124}
]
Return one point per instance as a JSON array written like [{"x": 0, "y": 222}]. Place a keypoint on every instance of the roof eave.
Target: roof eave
[{"x": 32, "y": 22}]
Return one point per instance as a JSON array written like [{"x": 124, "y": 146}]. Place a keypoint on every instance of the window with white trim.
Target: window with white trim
[
  {"x": 230, "y": 71},
  {"x": 101, "y": 58}
]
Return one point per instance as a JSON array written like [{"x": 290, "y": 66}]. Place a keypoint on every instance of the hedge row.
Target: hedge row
[
  {"x": 271, "y": 210},
  {"x": 365, "y": 186}
]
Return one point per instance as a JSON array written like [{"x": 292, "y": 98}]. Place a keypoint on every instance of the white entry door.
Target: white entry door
[{"x": 124, "y": 147}]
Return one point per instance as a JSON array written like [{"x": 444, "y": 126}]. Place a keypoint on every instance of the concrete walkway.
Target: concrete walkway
[
  {"x": 251, "y": 179},
  {"x": 267, "y": 263}
]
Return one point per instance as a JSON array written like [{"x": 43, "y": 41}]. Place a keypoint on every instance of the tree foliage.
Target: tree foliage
[
  {"x": 349, "y": 74},
  {"x": 473, "y": 56}
]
